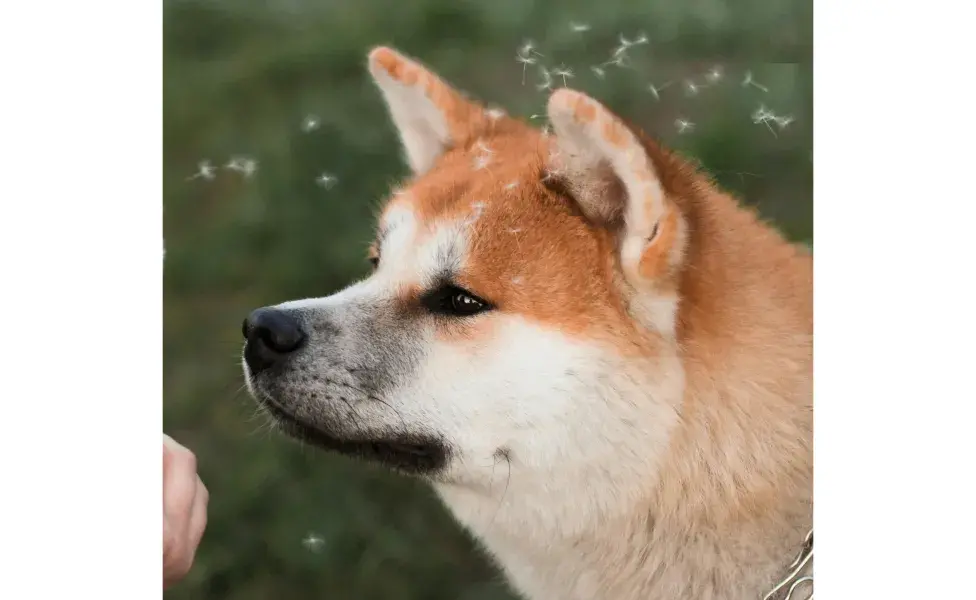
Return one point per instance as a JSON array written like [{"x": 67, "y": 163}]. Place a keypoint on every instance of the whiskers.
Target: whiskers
[{"x": 502, "y": 454}]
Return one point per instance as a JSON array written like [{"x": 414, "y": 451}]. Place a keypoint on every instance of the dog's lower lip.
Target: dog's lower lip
[
  {"x": 413, "y": 449},
  {"x": 416, "y": 458}
]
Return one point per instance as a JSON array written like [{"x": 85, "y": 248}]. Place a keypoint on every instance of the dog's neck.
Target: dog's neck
[{"x": 636, "y": 558}]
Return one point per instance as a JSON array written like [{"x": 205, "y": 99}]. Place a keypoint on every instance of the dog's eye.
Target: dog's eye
[
  {"x": 455, "y": 302},
  {"x": 463, "y": 304}
]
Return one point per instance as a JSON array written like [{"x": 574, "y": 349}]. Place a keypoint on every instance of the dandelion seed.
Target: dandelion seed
[
  {"x": 691, "y": 88},
  {"x": 783, "y": 122},
  {"x": 637, "y": 41},
  {"x": 656, "y": 90},
  {"x": 546, "y": 79},
  {"x": 526, "y": 61},
  {"x": 599, "y": 72},
  {"x": 245, "y": 166},
  {"x": 564, "y": 72},
  {"x": 481, "y": 145},
  {"x": 578, "y": 27},
  {"x": 528, "y": 48},
  {"x": 512, "y": 185},
  {"x": 311, "y": 123},
  {"x": 748, "y": 80},
  {"x": 481, "y": 162},
  {"x": 525, "y": 54},
  {"x": 619, "y": 58},
  {"x": 205, "y": 170},
  {"x": 684, "y": 125},
  {"x": 516, "y": 280},
  {"x": 515, "y": 230},
  {"x": 714, "y": 75},
  {"x": 494, "y": 113},
  {"x": 477, "y": 209},
  {"x": 764, "y": 115},
  {"x": 326, "y": 180},
  {"x": 313, "y": 542}
]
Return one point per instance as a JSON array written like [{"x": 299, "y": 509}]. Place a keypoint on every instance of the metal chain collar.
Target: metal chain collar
[{"x": 792, "y": 581}]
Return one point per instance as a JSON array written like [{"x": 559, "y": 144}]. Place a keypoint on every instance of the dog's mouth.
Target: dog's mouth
[{"x": 414, "y": 455}]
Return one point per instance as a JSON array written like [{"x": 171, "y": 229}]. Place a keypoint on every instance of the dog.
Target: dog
[{"x": 600, "y": 361}]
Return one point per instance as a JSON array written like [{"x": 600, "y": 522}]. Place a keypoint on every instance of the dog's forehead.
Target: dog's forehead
[{"x": 483, "y": 190}]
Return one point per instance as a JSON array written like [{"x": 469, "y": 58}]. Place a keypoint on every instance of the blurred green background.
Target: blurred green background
[{"x": 284, "y": 84}]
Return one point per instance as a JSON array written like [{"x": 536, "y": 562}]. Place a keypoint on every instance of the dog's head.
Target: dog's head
[{"x": 521, "y": 310}]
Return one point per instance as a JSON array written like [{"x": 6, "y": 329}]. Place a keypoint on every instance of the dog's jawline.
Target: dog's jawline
[{"x": 412, "y": 455}]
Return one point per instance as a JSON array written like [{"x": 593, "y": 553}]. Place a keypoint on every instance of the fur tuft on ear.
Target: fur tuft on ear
[
  {"x": 615, "y": 183},
  {"x": 430, "y": 115}
]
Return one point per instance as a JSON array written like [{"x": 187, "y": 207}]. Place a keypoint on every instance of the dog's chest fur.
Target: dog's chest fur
[{"x": 641, "y": 561}]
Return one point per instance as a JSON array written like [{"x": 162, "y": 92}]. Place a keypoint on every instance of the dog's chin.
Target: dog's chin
[{"x": 418, "y": 455}]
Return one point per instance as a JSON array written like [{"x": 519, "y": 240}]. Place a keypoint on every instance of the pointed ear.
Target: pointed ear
[
  {"x": 614, "y": 180},
  {"x": 429, "y": 114}
]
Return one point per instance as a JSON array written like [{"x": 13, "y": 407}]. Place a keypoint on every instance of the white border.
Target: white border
[
  {"x": 80, "y": 225},
  {"x": 80, "y": 238},
  {"x": 894, "y": 222}
]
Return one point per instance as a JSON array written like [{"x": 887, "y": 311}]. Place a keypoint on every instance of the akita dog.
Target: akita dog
[{"x": 600, "y": 361}]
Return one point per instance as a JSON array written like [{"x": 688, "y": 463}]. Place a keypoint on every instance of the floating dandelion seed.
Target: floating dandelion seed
[
  {"x": 579, "y": 27},
  {"x": 764, "y": 115},
  {"x": 684, "y": 125},
  {"x": 748, "y": 80},
  {"x": 515, "y": 230},
  {"x": 484, "y": 159},
  {"x": 244, "y": 166},
  {"x": 512, "y": 185},
  {"x": 656, "y": 90},
  {"x": 205, "y": 170},
  {"x": 546, "y": 83},
  {"x": 516, "y": 280},
  {"x": 313, "y": 542},
  {"x": 528, "y": 48},
  {"x": 326, "y": 180},
  {"x": 526, "y": 61},
  {"x": 533, "y": 117},
  {"x": 477, "y": 209},
  {"x": 481, "y": 145},
  {"x": 620, "y": 56},
  {"x": 691, "y": 88},
  {"x": 311, "y": 123},
  {"x": 525, "y": 56},
  {"x": 564, "y": 72},
  {"x": 599, "y": 72},
  {"x": 714, "y": 74},
  {"x": 637, "y": 41},
  {"x": 783, "y": 122},
  {"x": 494, "y": 113}
]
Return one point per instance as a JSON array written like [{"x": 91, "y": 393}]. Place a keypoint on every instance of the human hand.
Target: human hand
[{"x": 184, "y": 510}]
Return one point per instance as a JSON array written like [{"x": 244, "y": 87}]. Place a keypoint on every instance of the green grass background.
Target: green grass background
[{"x": 241, "y": 76}]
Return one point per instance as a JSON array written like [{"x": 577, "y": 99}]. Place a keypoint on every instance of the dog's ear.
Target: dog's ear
[
  {"x": 429, "y": 114},
  {"x": 610, "y": 174}
]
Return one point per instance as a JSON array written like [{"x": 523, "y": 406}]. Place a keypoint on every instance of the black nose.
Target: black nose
[{"x": 271, "y": 335}]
